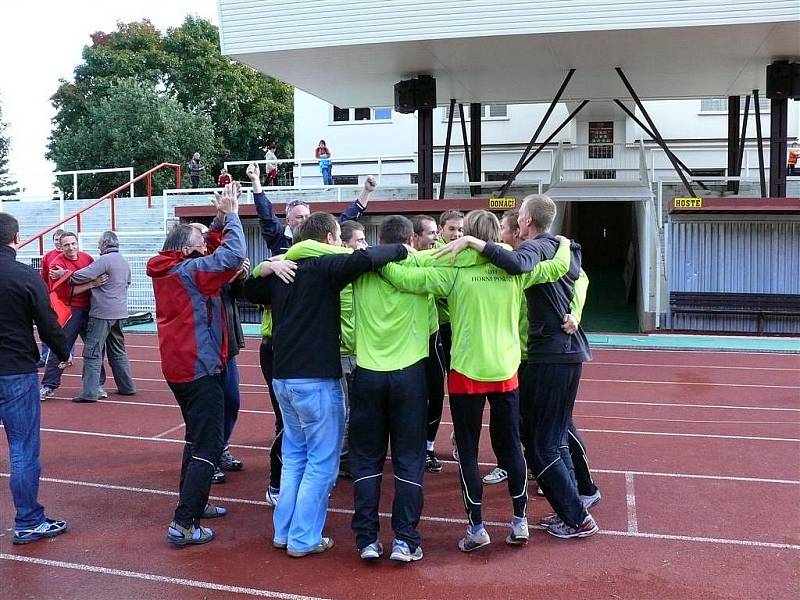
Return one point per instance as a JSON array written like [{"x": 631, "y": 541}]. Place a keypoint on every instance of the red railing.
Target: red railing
[{"x": 111, "y": 196}]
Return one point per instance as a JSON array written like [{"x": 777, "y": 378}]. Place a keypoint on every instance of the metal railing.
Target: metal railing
[
  {"x": 582, "y": 162},
  {"x": 75, "y": 174},
  {"x": 111, "y": 197}
]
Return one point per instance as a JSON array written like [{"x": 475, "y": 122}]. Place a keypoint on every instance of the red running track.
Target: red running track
[{"x": 696, "y": 454}]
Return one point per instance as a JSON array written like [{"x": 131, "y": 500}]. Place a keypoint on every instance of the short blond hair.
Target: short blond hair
[
  {"x": 540, "y": 209},
  {"x": 483, "y": 225}
]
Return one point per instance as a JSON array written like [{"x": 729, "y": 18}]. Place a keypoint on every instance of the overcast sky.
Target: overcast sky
[{"x": 41, "y": 42}]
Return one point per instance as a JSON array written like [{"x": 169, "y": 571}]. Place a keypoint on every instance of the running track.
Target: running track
[{"x": 696, "y": 454}]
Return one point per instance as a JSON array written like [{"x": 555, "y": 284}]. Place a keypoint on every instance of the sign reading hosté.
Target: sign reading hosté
[
  {"x": 687, "y": 203},
  {"x": 502, "y": 203}
]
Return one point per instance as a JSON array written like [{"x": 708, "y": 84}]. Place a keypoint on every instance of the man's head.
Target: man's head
[
  {"x": 425, "y": 232},
  {"x": 297, "y": 212},
  {"x": 107, "y": 241},
  {"x": 483, "y": 225},
  {"x": 273, "y": 146},
  {"x": 57, "y": 238},
  {"x": 396, "y": 229},
  {"x": 9, "y": 230},
  {"x": 353, "y": 235},
  {"x": 69, "y": 245},
  {"x": 196, "y": 156},
  {"x": 509, "y": 228},
  {"x": 451, "y": 225},
  {"x": 321, "y": 227},
  {"x": 185, "y": 239},
  {"x": 536, "y": 215}
]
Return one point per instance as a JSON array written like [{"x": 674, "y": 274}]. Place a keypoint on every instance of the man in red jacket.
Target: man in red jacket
[{"x": 192, "y": 339}]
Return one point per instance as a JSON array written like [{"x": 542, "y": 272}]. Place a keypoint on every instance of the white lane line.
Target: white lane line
[
  {"x": 720, "y": 406},
  {"x": 168, "y": 431},
  {"x": 697, "y": 435},
  {"x": 205, "y": 585},
  {"x": 434, "y": 519},
  {"x": 703, "y": 367},
  {"x": 694, "y": 476},
  {"x": 714, "y": 422},
  {"x": 702, "y": 383},
  {"x": 630, "y": 500}
]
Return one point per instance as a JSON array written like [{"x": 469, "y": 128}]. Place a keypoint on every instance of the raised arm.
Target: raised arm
[
  {"x": 271, "y": 229},
  {"x": 354, "y": 212}
]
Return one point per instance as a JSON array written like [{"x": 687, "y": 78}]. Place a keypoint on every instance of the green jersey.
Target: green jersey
[{"x": 485, "y": 304}]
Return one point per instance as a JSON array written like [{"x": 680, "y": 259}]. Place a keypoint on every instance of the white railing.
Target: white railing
[
  {"x": 75, "y": 174},
  {"x": 580, "y": 162},
  {"x": 717, "y": 159}
]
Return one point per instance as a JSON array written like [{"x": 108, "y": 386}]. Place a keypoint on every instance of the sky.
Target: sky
[{"x": 41, "y": 42}]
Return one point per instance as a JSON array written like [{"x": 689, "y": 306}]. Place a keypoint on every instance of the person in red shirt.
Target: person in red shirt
[
  {"x": 45, "y": 265},
  {"x": 224, "y": 178},
  {"x": 77, "y": 297}
]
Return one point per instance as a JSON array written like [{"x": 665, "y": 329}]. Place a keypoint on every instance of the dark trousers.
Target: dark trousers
[
  {"x": 434, "y": 376},
  {"x": 195, "y": 179},
  {"x": 275, "y": 456},
  {"x": 446, "y": 337},
  {"x": 551, "y": 390},
  {"x": 230, "y": 388},
  {"x": 76, "y": 326},
  {"x": 388, "y": 407},
  {"x": 467, "y": 412},
  {"x": 202, "y": 406}
]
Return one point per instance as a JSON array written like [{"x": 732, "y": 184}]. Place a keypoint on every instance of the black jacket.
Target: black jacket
[
  {"x": 25, "y": 301},
  {"x": 305, "y": 314},
  {"x": 547, "y": 302}
]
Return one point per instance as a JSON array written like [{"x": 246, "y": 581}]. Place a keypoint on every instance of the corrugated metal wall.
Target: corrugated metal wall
[{"x": 726, "y": 254}]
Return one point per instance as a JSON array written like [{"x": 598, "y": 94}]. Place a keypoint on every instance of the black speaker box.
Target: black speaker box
[
  {"x": 425, "y": 94},
  {"x": 415, "y": 94},
  {"x": 783, "y": 80},
  {"x": 404, "y": 96}
]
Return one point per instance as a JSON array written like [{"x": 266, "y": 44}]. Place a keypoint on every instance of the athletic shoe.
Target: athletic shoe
[
  {"x": 228, "y": 462},
  {"x": 497, "y": 475},
  {"x": 272, "y": 496},
  {"x": 279, "y": 545},
  {"x": 564, "y": 531},
  {"x": 530, "y": 475},
  {"x": 46, "y": 392},
  {"x": 325, "y": 544},
  {"x": 372, "y": 551},
  {"x": 47, "y": 529},
  {"x": 473, "y": 541},
  {"x": 84, "y": 400},
  {"x": 539, "y": 491},
  {"x": 590, "y": 501},
  {"x": 213, "y": 512},
  {"x": 102, "y": 394},
  {"x": 218, "y": 476},
  {"x": 401, "y": 552},
  {"x": 519, "y": 533},
  {"x": 455, "y": 448},
  {"x": 185, "y": 536},
  {"x": 549, "y": 520},
  {"x": 432, "y": 464},
  {"x": 41, "y": 363}
]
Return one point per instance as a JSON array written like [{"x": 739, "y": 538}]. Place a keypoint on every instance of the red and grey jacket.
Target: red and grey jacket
[{"x": 192, "y": 328}]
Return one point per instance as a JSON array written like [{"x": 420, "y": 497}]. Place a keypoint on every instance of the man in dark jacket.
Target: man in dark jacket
[
  {"x": 25, "y": 302},
  {"x": 192, "y": 339}
]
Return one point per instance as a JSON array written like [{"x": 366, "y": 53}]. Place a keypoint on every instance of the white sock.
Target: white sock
[{"x": 430, "y": 446}]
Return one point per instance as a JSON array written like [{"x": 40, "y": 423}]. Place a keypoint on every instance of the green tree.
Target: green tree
[
  {"x": 133, "y": 125},
  {"x": 247, "y": 109},
  {"x": 8, "y": 187}
]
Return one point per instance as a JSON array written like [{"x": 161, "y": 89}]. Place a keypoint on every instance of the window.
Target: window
[
  {"x": 497, "y": 175},
  {"x": 599, "y": 174},
  {"x": 707, "y": 172},
  {"x": 721, "y": 105},
  {"x": 601, "y": 139},
  {"x": 488, "y": 112},
  {"x": 345, "y": 180},
  {"x": 352, "y": 115},
  {"x": 437, "y": 178}
]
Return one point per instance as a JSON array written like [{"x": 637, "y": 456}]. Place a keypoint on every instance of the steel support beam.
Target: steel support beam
[
  {"x": 518, "y": 167},
  {"x": 475, "y": 114},
  {"x": 734, "y": 114},
  {"x": 760, "y": 139},
  {"x": 446, "y": 160},
  {"x": 779, "y": 116},
  {"x": 742, "y": 141},
  {"x": 467, "y": 159},
  {"x": 564, "y": 123},
  {"x": 425, "y": 154},
  {"x": 654, "y": 129}
]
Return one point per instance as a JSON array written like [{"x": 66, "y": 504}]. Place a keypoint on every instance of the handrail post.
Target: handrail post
[
  {"x": 178, "y": 176},
  {"x": 113, "y": 213},
  {"x": 149, "y": 190},
  {"x": 78, "y": 219},
  {"x": 380, "y": 169},
  {"x": 74, "y": 186},
  {"x": 41, "y": 245}
]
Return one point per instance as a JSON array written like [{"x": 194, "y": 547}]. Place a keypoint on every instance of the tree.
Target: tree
[
  {"x": 247, "y": 109},
  {"x": 8, "y": 187},
  {"x": 133, "y": 125}
]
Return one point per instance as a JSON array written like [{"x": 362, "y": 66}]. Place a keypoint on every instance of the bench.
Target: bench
[{"x": 761, "y": 306}]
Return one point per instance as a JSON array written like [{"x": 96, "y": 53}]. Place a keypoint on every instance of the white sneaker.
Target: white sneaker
[
  {"x": 45, "y": 393},
  {"x": 372, "y": 551},
  {"x": 402, "y": 553},
  {"x": 473, "y": 541},
  {"x": 590, "y": 501},
  {"x": 271, "y": 496},
  {"x": 519, "y": 534},
  {"x": 497, "y": 475},
  {"x": 102, "y": 394}
]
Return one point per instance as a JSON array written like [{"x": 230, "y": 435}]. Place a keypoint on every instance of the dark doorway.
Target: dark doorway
[{"x": 605, "y": 232}]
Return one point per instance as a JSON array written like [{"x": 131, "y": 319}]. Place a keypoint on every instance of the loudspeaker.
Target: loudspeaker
[
  {"x": 404, "y": 96},
  {"x": 415, "y": 94},
  {"x": 783, "y": 80}
]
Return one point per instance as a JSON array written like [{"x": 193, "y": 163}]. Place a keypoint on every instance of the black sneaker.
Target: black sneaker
[
  {"x": 48, "y": 528},
  {"x": 432, "y": 464},
  {"x": 218, "y": 476},
  {"x": 228, "y": 462}
]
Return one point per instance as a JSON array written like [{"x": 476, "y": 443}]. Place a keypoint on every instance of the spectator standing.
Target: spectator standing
[
  {"x": 791, "y": 162},
  {"x": 25, "y": 302},
  {"x": 45, "y": 266},
  {"x": 107, "y": 313},
  {"x": 192, "y": 339},
  {"x": 271, "y": 166},
  {"x": 323, "y": 155},
  {"x": 195, "y": 168},
  {"x": 224, "y": 178}
]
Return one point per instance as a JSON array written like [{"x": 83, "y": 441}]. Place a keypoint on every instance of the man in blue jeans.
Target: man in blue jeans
[
  {"x": 25, "y": 302},
  {"x": 306, "y": 376}
]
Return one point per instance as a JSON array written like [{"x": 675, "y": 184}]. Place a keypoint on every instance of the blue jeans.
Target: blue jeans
[
  {"x": 313, "y": 419},
  {"x": 327, "y": 178},
  {"x": 20, "y": 411},
  {"x": 230, "y": 386},
  {"x": 76, "y": 326}
]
